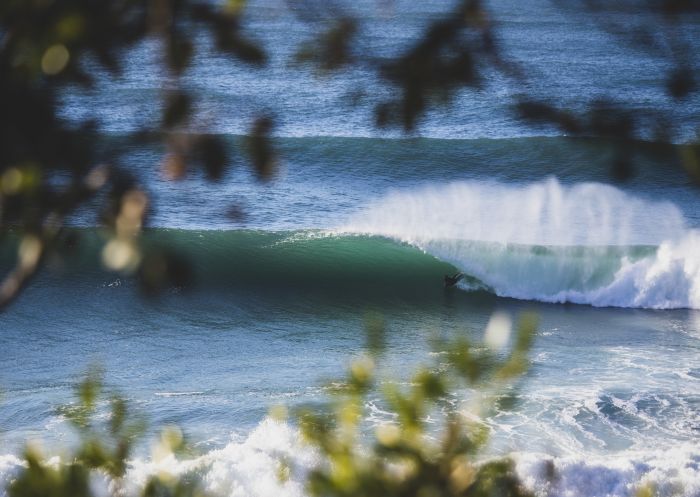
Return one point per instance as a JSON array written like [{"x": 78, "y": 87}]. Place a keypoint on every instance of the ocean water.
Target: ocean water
[{"x": 360, "y": 221}]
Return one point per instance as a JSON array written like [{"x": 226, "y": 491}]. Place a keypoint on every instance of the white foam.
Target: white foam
[
  {"x": 669, "y": 279},
  {"x": 10, "y": 465},
  {"x": 250, "y": 468},
  {"x": 247, "y": 468},
  {"x": 670, "y": 473},
  {"x": 178, "y": 394},
  {"x": 540, "y": 213},
  {"x": 549, "y": 242}
]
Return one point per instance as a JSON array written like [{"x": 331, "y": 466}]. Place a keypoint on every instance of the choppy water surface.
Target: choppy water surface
[{"x": 359, "y": 222}]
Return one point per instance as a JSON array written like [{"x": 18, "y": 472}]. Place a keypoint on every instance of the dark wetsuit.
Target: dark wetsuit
[{"x": 452, "y": 280}]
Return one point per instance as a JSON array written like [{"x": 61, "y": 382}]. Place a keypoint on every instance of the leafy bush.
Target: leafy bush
[{"x": 404, "y": 458}]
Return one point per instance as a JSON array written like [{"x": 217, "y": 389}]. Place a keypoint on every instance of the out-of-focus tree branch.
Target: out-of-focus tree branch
[{"x": 51, "y": 47}]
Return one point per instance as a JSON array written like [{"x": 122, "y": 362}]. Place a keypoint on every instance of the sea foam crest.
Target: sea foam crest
[{"x": 588, "y": 243}]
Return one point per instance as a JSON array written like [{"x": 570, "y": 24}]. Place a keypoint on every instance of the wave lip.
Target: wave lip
[{"x": 586, "y": 244}]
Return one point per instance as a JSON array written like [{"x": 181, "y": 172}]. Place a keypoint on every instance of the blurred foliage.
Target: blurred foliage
[
  {"x": 409, "y": 456},
  {"x": 656, "y": 29},
  {"x": 412, "y": 454},
  {"x": 50, "y": 47},
  {"x": 53, "y": 46},
  {"x": 333, "y": 49},
  {"x": 97, "y": 465},
  {"x": 450, "y": 56}
]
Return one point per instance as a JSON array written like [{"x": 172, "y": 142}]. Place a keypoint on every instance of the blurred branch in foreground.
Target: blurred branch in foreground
[
  {"x": 51, "y": 167},
  {"x": 405, "y": 457}
]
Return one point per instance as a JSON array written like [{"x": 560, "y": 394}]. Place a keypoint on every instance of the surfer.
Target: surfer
[{"x": 452, "y": 280}]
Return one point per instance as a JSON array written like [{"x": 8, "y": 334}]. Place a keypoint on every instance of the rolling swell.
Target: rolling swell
[
  {"x": 304, "y": 263},
  {"x": 322, "y": 263},
  {"x": 325, "y": 179},
  {"x": 518, "y": 158},
  {"x": 308, "y": 261}
]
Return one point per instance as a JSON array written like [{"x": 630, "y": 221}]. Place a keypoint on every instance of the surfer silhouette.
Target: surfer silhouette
[{"x": 452, "y": 280}]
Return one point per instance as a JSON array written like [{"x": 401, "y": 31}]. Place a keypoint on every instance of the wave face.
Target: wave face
[
  {"x": 587, "y": 244},
  {"x": 310, "y": 264}
]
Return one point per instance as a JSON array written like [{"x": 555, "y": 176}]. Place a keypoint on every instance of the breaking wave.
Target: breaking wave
[{"x": 588, "y": 244}]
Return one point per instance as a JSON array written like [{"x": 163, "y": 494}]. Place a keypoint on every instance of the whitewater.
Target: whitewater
[
  {"x": 249, "y": 467},
  {"x": 588, "y": 243}
]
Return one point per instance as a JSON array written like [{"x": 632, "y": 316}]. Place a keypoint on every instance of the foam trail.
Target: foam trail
[
  {"x": 246, "y": 468},
  {"x": 670, "y": 473},
  {"x": 588, "y": 243},
  {"x": 670, "y": 279},
  {"x": 249, "y": 468},
  {"x": 10, "y": 466}
]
